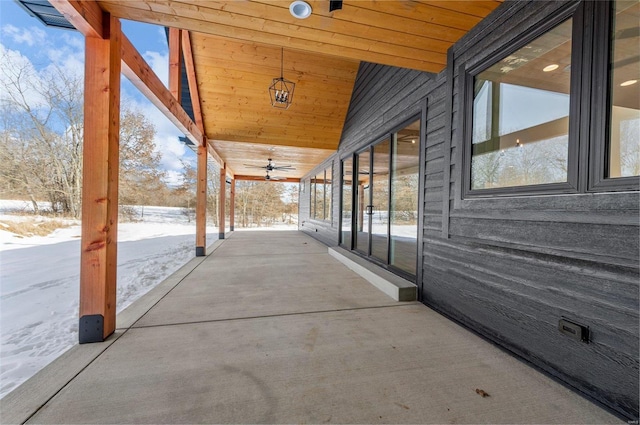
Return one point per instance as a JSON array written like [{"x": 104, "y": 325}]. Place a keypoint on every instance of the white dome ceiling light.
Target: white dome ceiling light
[{"x": 300, "y": 9}]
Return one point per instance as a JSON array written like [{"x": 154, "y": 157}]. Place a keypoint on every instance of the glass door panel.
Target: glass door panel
[
  {"x": 363, "y": 209},
  {"x": 347, "y": 183},
  {"x": 380, "y": 189},
  {"x": 404, "y": 198},
  {"x": 380, "y": 201}
]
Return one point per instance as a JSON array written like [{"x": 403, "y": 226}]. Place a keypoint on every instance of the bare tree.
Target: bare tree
[
  {"x": 46, "y": 111},
  {"x": 42, "y": 138},
  {"x": 259, "y": 203},
  {"x": 140, "y": 176}
]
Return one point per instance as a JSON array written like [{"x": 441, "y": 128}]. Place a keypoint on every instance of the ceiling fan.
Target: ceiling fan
[
  {"x": 270, "y": 178},
  {"x": 271, "y": 166}
]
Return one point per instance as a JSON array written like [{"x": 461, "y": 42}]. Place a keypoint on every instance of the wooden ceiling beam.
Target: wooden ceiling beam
[
  {"x": 214, "y": 154},
  {"x": 138, "y": 71},
  {"x": 175, "y": 62},
  {"x": 194, "y": 90},
  {"x": 86, "y": 16}
]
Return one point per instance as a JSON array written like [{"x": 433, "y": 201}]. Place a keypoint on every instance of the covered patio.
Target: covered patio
[
  {"x": 267, "y": 327},
  {"x": 270, "y": 328}
]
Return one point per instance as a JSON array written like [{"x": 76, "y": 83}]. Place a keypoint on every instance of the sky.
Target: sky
[{"x": 27, "y": 40}]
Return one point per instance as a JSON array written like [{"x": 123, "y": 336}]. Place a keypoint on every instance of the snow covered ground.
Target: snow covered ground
[{"x": 39, "y": 278}]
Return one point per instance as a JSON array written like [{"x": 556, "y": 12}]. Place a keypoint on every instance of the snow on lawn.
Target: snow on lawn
[{"x": 39, "y": 278}]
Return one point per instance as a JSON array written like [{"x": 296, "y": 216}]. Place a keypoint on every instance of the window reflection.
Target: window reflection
[
  {"x": 404, "y": 198},
  {"x": 347, "y": 182},
  {"x": 380, "y": 200},
  {"x": 321, "y": 199},
  {"x": 624, "y": 137},
  {"x": 319, "y": 209},
  {"x": 521, "y": 115},
  {"x": 328, "y": 197}
]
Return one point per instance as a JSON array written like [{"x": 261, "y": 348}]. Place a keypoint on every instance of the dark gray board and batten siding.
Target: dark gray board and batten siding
[{"x": 510, "y": 268}]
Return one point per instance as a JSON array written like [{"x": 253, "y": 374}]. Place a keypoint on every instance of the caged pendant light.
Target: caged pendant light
[{"x": 281, "y": 90}]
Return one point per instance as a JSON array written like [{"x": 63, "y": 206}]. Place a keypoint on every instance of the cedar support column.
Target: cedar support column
[
  {"x": 232, "y": 205},
  {"x": 175, "y": 63},
  {"x": 98, "y": 258},
  {"x": 221, "y": 202},
  {"x": 201, "y": 201}
]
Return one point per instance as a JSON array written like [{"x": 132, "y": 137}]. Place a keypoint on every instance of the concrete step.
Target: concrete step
[{"x": 393, "y": 285}]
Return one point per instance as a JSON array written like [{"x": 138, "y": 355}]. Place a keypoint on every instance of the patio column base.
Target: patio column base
[
  {"x": 91, "y": 328},
  {"x": 200, "y": 251}
]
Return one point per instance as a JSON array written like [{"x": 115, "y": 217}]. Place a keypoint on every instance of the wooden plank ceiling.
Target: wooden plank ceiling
[{"x": 237, "y": 50}]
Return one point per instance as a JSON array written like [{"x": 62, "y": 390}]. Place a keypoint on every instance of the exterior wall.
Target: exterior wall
[{"x": 510, "y": 268}]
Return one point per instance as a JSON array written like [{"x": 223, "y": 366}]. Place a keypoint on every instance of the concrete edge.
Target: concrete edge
[
  {"x": 26, "y": 399},
  {"x": 130, "y": 315},
  {"x": 394, "y": 286}
]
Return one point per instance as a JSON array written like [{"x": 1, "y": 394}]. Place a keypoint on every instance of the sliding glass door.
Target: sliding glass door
[
  {"x": 363, "y": 208},
  {"x": 380, "y": 187},
  {"x": 403, "y": 213},
  {"x": 347, "y": 202},
  {"x": 380, "y": 201}
]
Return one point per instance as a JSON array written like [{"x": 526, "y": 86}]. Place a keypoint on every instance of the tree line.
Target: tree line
[{"x": 41, "y": 140}]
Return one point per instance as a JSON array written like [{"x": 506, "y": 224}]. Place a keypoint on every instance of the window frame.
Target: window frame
[
  {"x": 467, "y": 76},
  {"x": 600, "y": 102},
  {"x": 326, "y": 214}
]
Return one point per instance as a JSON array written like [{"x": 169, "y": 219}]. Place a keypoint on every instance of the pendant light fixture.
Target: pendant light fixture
[{"x": 281, "y": 90}]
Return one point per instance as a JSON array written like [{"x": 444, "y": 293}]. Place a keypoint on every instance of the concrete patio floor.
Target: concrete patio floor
[{"x": 268, "y": 328}]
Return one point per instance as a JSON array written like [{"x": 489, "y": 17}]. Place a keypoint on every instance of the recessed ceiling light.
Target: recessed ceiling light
[
  {"x": 413, "y": 141},
  {"x": 551, "y": 67},
  {"x": 300, "y": 9},
  {"x": 628, "y": 83}
]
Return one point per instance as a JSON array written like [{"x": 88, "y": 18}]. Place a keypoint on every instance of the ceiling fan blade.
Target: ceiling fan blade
[{"x": 254, "y": 166}]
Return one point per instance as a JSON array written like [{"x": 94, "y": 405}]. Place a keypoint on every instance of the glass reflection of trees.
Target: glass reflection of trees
[
  {"x": 521, "y": 115},
  {"x": 404, "y": 198}
]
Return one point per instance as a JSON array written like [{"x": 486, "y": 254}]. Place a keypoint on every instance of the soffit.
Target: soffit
[{"x": 237, "y": 49}]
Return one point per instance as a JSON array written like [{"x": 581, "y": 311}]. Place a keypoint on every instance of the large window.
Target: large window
[
  {"x": 623, "y": 150},
  {"x": 520, "y": 128},
  {"x": 321, "y": 195},
  {"x": 558, "y": 110},
  {"x": 347, "y": 201}
]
